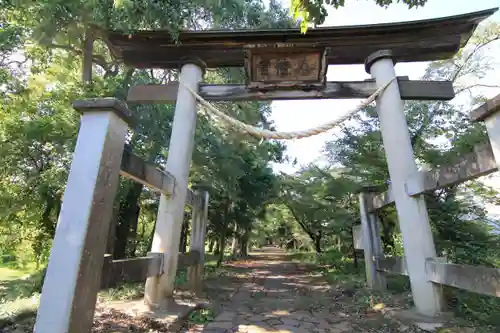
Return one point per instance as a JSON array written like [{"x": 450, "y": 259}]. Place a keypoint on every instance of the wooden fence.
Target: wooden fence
[
  {"x": 140, "y": 268},
  {"x": 482, "y": 161},
  {"x": 78, "y": 266}
]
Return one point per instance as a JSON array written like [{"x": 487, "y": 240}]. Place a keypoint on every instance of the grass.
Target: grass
[
  {"x": 201, "y": 316},
  {"x": 127, "y": 291},
  {"x": 19, "y": 293},
  {"x": 340, "y": 271},
  {"x": 20, "y": 290},
  {"x": 472, "y": 309}
]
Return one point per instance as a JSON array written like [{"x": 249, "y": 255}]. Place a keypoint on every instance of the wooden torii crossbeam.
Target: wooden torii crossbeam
[
  {"x": 279, "y": 64},
  {"x": 423, "y": 40}
]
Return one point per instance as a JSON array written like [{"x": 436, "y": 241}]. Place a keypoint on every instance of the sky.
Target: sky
[{"x": 300, "y": 115}]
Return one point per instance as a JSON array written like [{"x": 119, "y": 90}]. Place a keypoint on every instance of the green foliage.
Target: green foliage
[
  {"x": 320, "y": 201},
  {"x": 40, "y": 78},
  {"x": 314, "y": 11},
  {"x": 201, "y": 316},
  {"x": 440, "y": 133}
]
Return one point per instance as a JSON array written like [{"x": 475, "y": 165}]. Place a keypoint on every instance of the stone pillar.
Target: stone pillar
[
  {"x": 412, "y": 211},
  {"x": 372, "y": 246},
  {"x": 197, "y": 240},
  {"x": 171, "y": 209},
  {"x": 74, "y": 272}
]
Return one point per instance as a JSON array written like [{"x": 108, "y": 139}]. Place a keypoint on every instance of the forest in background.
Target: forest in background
[{"x": 250, "y": 205}]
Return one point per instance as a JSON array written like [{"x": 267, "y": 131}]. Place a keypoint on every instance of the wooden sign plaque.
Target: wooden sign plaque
[{"x": 285, "y": 66}]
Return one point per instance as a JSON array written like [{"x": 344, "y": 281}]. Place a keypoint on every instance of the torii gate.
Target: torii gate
[{"x": 281, "y": 65}]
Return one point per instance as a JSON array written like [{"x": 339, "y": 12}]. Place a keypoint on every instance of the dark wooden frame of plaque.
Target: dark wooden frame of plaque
[{"x": 315, "y": 80}]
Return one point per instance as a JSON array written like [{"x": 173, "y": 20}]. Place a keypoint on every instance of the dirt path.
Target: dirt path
[{"x": 268, "y": 293}]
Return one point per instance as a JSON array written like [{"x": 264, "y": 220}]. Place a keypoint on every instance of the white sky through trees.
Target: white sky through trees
[{"x": 300, "y": 115}]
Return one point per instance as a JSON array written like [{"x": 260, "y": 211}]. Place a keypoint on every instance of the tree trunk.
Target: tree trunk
[
  {"x": 387, "y": 232},
  {"x": 211, "y": 243},
  {"x": 132, "y": 236},
  {"x": 216, "y": 249},
  {"x": 234, "y": 245},
  {"x": 355, "y": 257},
  {"x": 222, "y": 239},
  {"x": 184, "y": 234},
  {"x": 46, "y": 230},
  {"x": 317, "y": 244},
  {"x": 244, "y": 242},
  {"x": 128, "y": 216},
  {"x": 111, "y": 239},
  {"x": 151, "y": 236}
]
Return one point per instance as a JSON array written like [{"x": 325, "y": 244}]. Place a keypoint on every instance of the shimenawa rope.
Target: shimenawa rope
[{"x": 266, "y": 134}]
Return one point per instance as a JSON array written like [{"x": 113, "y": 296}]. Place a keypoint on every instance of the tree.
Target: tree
[
  {"x": 319, "y": 202},
  {"x": 314, "y": 11},
  {"x": 440, "y": 132},
  {"x": 40, "y": 78}
]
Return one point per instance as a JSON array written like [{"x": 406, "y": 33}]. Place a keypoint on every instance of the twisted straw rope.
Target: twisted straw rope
[{"x": 266, "y": 134}]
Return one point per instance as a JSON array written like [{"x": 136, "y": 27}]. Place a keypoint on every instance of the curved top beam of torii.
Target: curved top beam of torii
[{"x": 424, "y": 40}]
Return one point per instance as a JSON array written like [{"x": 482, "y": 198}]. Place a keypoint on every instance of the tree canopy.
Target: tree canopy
[
  {"x": 315, "y": 208},
  {"x": 315, "y": 11}
]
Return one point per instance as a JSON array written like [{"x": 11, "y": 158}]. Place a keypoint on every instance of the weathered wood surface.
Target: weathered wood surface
[
  {"x": 130, "y": 270},
  {"x": 137, "y": 169},
  {"x": 370, "y": 244},
  {"x": 487, "y": 109},
  {"x": 139, "y": 269},
  {"x": 73, "y": 275},
  {"x": 285, "y": 67},
  {"x": 479, "y": 163},
  {"x": 193, "y": 199},
  {"x": 381, "y": 200},
  {"x": 410, "y": 90},
  {"x": 106, "y": 104},
  {"x": 392, "y": 265},
  {"x": 188, "y": 259},
  {"x": 477, "y": 279},
  {"x": 357, "y": 234},
  {"x": 88, "y": 49},
  {"x": 150, "y": 175},
  {"x": 424, "y": 40}
]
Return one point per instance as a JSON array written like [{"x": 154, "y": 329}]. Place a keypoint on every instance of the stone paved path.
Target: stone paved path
[{"x": 270, "y": 294}]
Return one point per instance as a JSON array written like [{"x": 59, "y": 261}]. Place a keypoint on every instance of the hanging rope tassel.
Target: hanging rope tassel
[{"x": 266, "y": 134}]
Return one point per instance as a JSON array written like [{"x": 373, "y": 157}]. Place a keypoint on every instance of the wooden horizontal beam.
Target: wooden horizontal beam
[
  {"x": 139, "y": 269},
  {"x": 479, "y": 163},
  {"x": 410, "y": 90},
  {"x": 477, "y": 279},
  {"x": 381, "y": 200},
  {"x": 188, "y": 259},
  {"x": 392, "y": 265},
  {"x": 487, "y": 109},
  {"x": 130, "y": 270},
  {"x": 135, "y": 168}
]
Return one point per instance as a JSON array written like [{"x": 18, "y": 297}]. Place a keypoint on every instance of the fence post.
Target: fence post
[
  {"x": 195, "y": 273},
  {"x": 377, "y": 248},
  {"x": 159, "y": 289},
  {"x": 74, "y": 272},
  {"x": 412, "y": 211},
  {"x": 489, "y": 112},
  {"x": 372, "y": 247}
]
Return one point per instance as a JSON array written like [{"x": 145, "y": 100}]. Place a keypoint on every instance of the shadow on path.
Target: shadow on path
[{"x": 269, "y": 293}]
